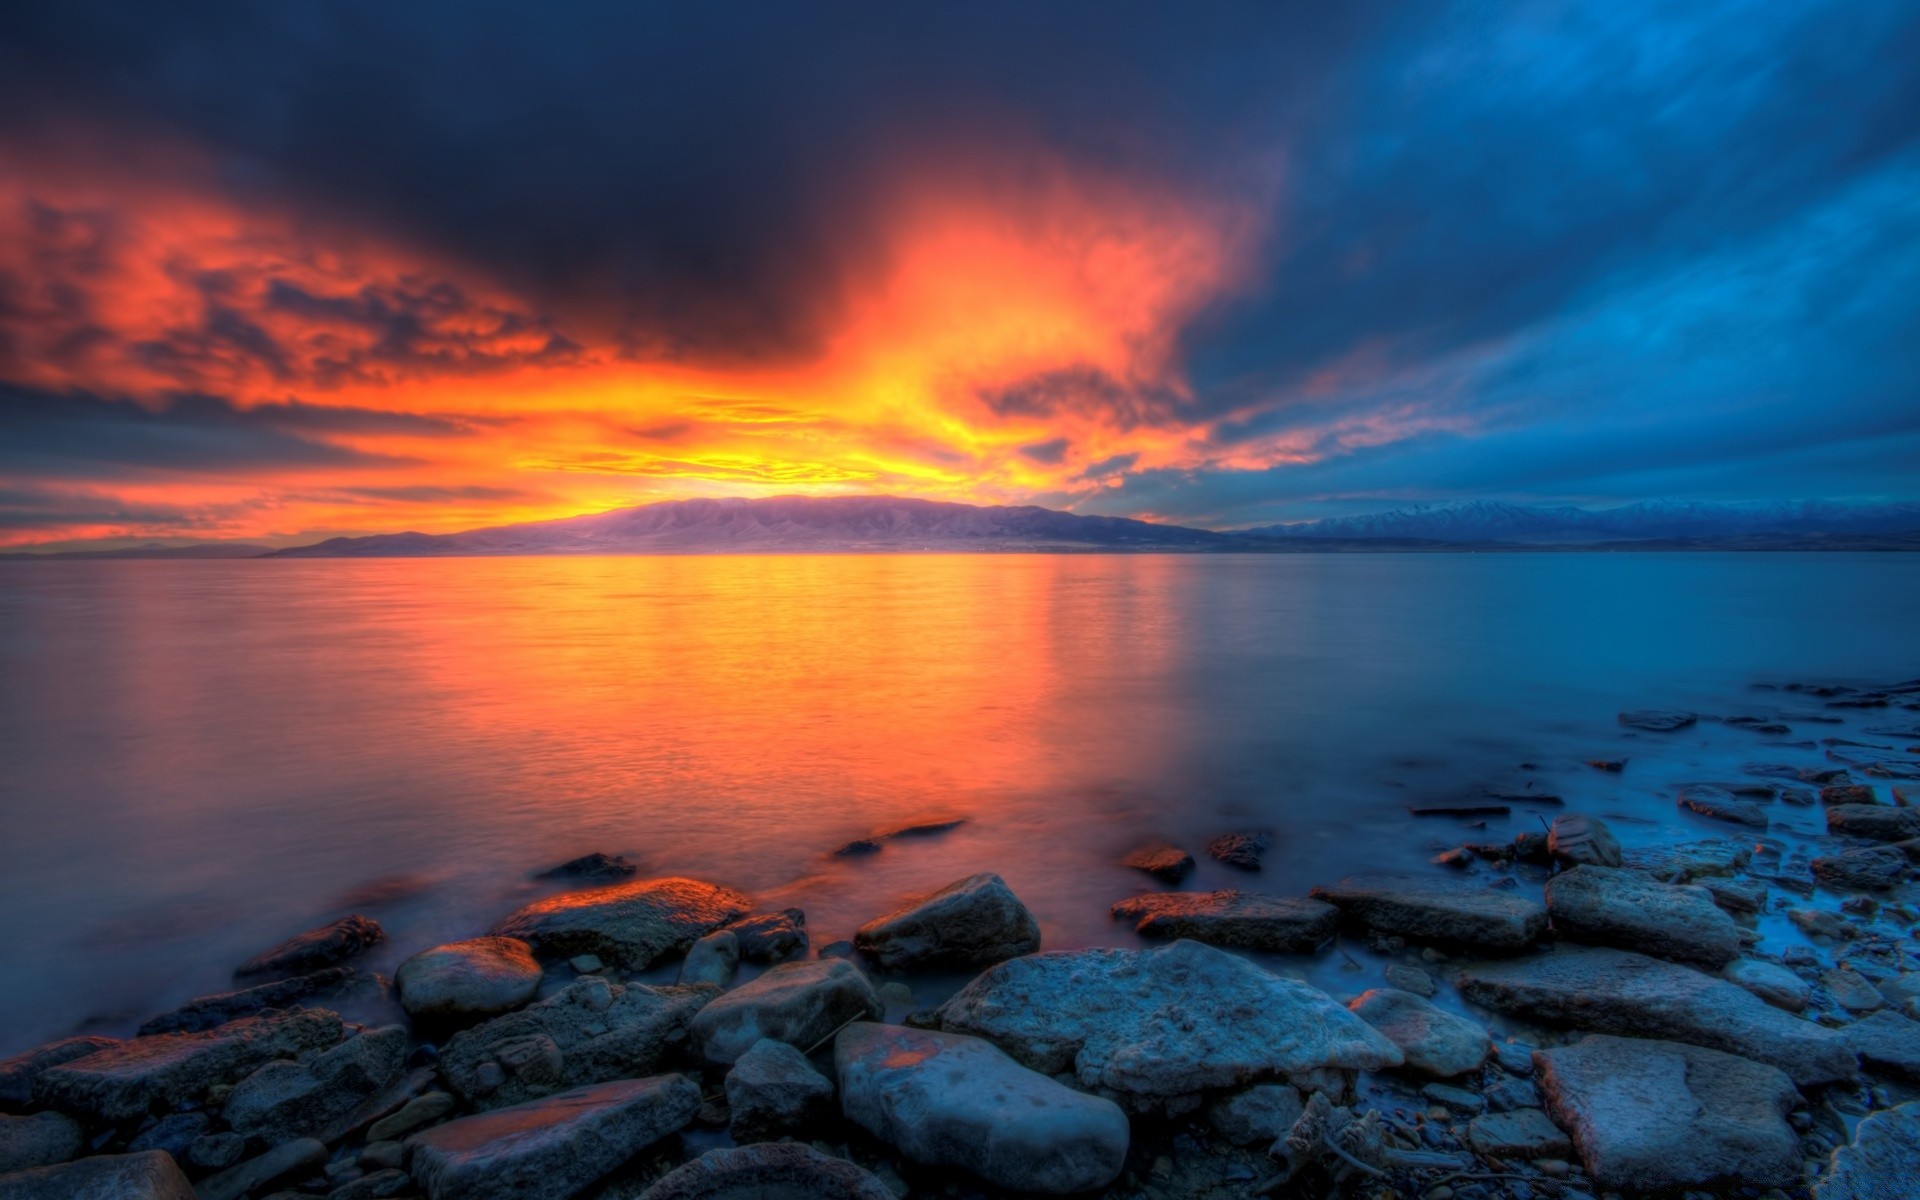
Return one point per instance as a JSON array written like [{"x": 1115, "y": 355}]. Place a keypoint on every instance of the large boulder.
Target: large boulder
[
  {"x": 1282, "y": 924},
  {"x": 1619, "y": 992},
  {"x": 151, "y": 1175},
  {"x": 1657, "y": 1115},
  {"x": 126, "y": 1079},
  {"x": 971, "y": 923},
  {"x": 39, "y": 1140},
  {"x": 1157, "y": 1024},
  {"x": 332, "y": 943},
  {"x": 1450, "y": 911},
  {"x": 480, "y": 977},
  {"x": 588, "y": 1032},
  {"x": 773, "y": 1091},
  {"x": 286, "y": 1100},
  {"x": 799, "y": 1003},
  {"x": 1880, "y": 1163},
  {"x": 1580, "y": 840},
  {"x": 1887, "y": 1042},
  {"x": 19, "y": 1073},
  {"x": 1622, "y": 907},
  {"x": 552, "y": 1148},
  {"x": 768, "y": 1171},
  {"x": 211, "y": 1012},
  {"x": 1434, "y": 1041},
  {"x": 949, "y": 1101},
  {"x": 1877, "y": 822},
  {"x": 628, "y": 924}
]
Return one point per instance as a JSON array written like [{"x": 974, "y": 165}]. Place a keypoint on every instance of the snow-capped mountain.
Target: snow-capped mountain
[{"x": 1494, "y": 521}]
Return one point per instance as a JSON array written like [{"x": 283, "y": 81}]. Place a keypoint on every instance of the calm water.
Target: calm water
[{"x": 199, "y": 758}]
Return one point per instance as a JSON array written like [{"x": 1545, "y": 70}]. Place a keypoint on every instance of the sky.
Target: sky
[{"x": 281, "y": 272}]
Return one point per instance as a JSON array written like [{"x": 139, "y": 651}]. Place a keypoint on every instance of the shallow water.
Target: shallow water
[{"x": 200, "y": 758}]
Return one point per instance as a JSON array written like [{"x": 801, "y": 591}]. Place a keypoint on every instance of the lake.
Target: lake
[{"x": 201, "y": 758}]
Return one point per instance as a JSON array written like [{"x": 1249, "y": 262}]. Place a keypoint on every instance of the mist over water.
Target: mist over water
[{"x": 200, "y": 758}]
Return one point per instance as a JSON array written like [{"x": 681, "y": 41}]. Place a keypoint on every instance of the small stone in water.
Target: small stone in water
[{"x": 586, "y": 964}]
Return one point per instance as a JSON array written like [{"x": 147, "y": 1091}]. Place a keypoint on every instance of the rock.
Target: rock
[
  {"x": 216, "y": 1151},
  {"x": 799, "y": 1003},
  {"x": 1852, "y": 793},
  {"x": 1283, "y": 924},
  {"x": 1657, "y": 720},
  {"x": 210, "y": 1012},
  {"x": 1710, "y": 800},
  {"x": 552, "y": 1148},
  {"x": 595, "y": 866},
  {"x": 973, "y": 922},
  {"x": 380, "y": 1185},
  {"x": 1162, "y": 860},
  {"x": 586, "y": 964},
  {"x": 896, "y": 994},
  {"x": 1689, "y": 860},
  {"x": 19, "y": 1073},
  {"x": 773, "y": 938},
  {"x": 1509, "y": 1094},
  {"x": 1872, "y": 868},
  {"x": 1851, "y": 991},
  {"x": 481, "y": 977},
  {"x": 421, "y": 1110},
  {"x": 858, "y": 848},
  {"x": 172, "y": 1133},
  {"x": 1580, "y": 840},
  {"x": 1242, "y": 850},
  {"x": 1612, "y": 766},
  {"x": 1880, "y": 1163},
  {"x": 1616, "y": 906},
  {"x": 1820, "y": 923},
  {"x": 1658, "y": 1115},
  {"x": 1434, "y": 1042},
  {"x": 1168, "y": 1022},
  {"x": 1887, "y": 1042},
  {"x": 39, "y": 1140},
  {"x": 1769, "y": 981},
  {"x": 149, "y": 1175},
  {"x": 1256, "y": 1116},
  {"x": 627, "y": 924},
  {"x": 1736, "y": 895},
  {"x": 1515, "y": 1058},
  {"x": 949, "y": 1101},
  {"x": 590, "y": 1031},
  {"x": 126, "y": 1079},
  {"x": 380, "y": 1156},
  {"x": 1459, "y": 1100},
  {"x": 768, "y": 1171},
  {"x": 1522, "y": 1133},
  {"x": 773, "y": 1090},
  {"x": 332, "y": 943},
  {"x": 283, "y": 1160},
  {"x": 1615, "y": 991},
  {"x": 713, "y": 959},
  {"x": 1876, "y": 822},
  {"x": 1409, "y": 978},
  {"x": 1438, "y": 910},
  {"x": 286, "y": 1100}
]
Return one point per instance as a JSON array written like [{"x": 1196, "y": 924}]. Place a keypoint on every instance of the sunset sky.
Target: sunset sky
[{"x": 279, "y": 272}]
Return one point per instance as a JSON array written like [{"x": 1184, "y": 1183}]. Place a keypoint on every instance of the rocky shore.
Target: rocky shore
[{"x": 1551, "y": 1015}]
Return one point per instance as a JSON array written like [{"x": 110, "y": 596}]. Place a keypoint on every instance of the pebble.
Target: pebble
[{"x": 586, "y": 964}]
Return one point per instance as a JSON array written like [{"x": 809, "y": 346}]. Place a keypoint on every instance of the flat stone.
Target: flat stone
[
  {"x": 1880, "y": 1163},
  {"x": 421, "y": 1110},
  {"x": 1821, "y": 923},
  {"x": 1154, "y": 1024},
  {"x": 1887, "y": 1042},
  {"x": 211, "y": 1012},
  {"x": 1613, "y": 906},
  {"x": 482, "y": 977},
  {"x": 1771, "y": 982},
  {"x": 799, "y": 1003},
  {"x": 1256, "y": 1116},
  {"x": 772, "y": 937},
  {"x": 1456, "y": 1099},
  {"x": 1619, "y": 992},
  {"x": 1162, "y": 860},
  {"x": 949, "y": 1101},
  {"x": 627, "y": 924},
  {"x": 330, "y": 944},
  {"x": 973, "y": 922},
  {"x": 1282, "y": 924},
  {"x": 1686, "y": 861},
  {"x": 768, "y": 1171},
  {"x": 19, "y": 1073},
  {"x": 1876, "y": 822},
  {"x": 591, "y": 1031},
  {"x": 1581, "y": 840},
  {"x": 1709, "y": 800},
  {"x": 1869, "y": 868},
  {"x": 552, "y": 1148},
  {"x": 1510, "y": 1094},
  {"x": 39, "y": 1140},
  {"x": 773, "y": 1090},
  {"x": 1657, "y": 720},
  {"x": 1438, "y": 910},
  {"x": 381, "y": 1184},
  {"x": 173, "y": 1133},
  {"x": 594, "y": 866},
  {"x": 1849, "y": 793},
  {"x": 713, "y": 959},
  {"x": 1658, "y": 1115},
  {"x": 1409, "y": 978},
  {"x": 1736, "y": 895},
  {"x": 1522, "y": 1133},
  {"x": 1434, "y": 1041},
  {"x": 1851, "y": 991},
  {"x": 150, "y": 1175},
  {"x": 286, "y": 1100},
  {"x": 288, "y": 1158},
  {"x": 1242, "y": 850},
  {"x": 125, "y": 1080}
]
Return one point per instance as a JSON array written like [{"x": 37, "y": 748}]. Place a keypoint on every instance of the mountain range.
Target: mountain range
[{"x": 1492, "y": 521}]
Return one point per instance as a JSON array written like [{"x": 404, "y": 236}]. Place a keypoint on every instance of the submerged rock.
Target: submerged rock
[
  {"x": 591, "y": 866},
  {"x": 1880, "y": 1163},
  {"x": 150, "y": 1175},
  {"x": 1655, "y": 1115},
  {"x": 1578, "y": 839},
  {"x": 1614, "y": 906},
  {"x": 1711, "y": 800},
  {"x": 1162, "y": 860},
  {"x": 1283, "y": 924},
  {"x": 1256, "y": 1116},
  {"x": 1877, "y": 822},
  {"x": 1870, "y": 868},
  {"x": 1434, "y": 1041},
  {"x": 1439, "y": 910},
  {"x": 1519, "y": 1133},
  {"x": 628, "y": 924},
  {"x": 773, "y": 1090},
  {"x": 973, "y": 922},
  {"x": 332, "y": 943},
  {"x": 799, "y": 1003},
  {"x": 773, "y": 937},
  {"x": 1242, "y": 850},
  {"x": 713, "y": 959},
  {"x": 1848, "y": 793},
  {"x": 1657, "y": 720},
  {"x": 768, "y": 1171},
  {"x": 210, "y": 1012},
  {"x": 1679, "y": 863},
  {"x": 39, "y": 1140},
  {"x": 19, "y": 1073},
  {"x": 482, "y": 976},
  {"x": 1769, "y": 981},
  {"x": 949, "y": 1101},
  {"x": 1887, "y": 1042},
  {"x": 286, "y": 1100}
]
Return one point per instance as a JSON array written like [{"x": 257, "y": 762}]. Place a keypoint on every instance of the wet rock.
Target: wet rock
[
  {"x": 1162, "y": 860},
  {"x": 286, "y": 1100},
  {"x": 1618, "y": 992},
  {"x": 1722, "y": 805},
  {"x": 1687, "y": 861},
  {"x": 973, "y": 922},
  {"x": 1283, "y": 924},
  {"x": 382, "y": 1184},
  {"x": 211, "y": 1012},
  {"x": 421, "y": 1110},
  {"x": 1509, "y": 1094},
  {"x": 288, "y": 1158},
  {"x": 149, "y": 1175},
  {"x": 1612, "y": 766},
  {"x": 19, "y": 1073},
  {"x": 1580, "y": 840},
  {"x": 1613, "y": 906},
  {"x": 773, "y": 1090},
  {"x": 1532, "y": 847},
  {"x": 799, "y": 1003},
  {"x": 1876, "y": 822},
  {"x": 1870, "y": 868},
  {"x": 482, "y": 977},
  {"x": 1852, "y": 793},
  {"x": 1456, "y": 1099},
  {"x": 172, "y": 1133},
  {"x": 772, "y": 938},
  {"x": 330, "y": 944},
  {"x": 1242, "y": 850},
  {"x": 1522, "y": 1133},
  {"x": 1769, "y": 981},
  {"x": 1438, "y": 910},
  {"x": 1411, "y": 979},
  {"x": 1820, "y": 923},
  {"x": 590, "y": 1031},
  {"x": 216, "y": 1151},
  {"x": 768, "y": 1171},
  {"x": 858, "y": 848},
  {"x": 126, "y": 1079},
  {"x": 1887, "y": 1042},
  {"x": 1657, "y": 720},
  {"x": 926, "y": 829},
  {"x": 1256, "y": 1116},
  {"x": 594, "y": 866},
  {"x": 39, "y": 1140},
  {"x": 1851, "y": 991},
  {"x": 1657, "y": 1115},
  {"x": 552, "y": 1148},
  {"x": 1435, "y": 1042},
  {"x": 949, "y": 1101},
  {"x": 713, "y": 959},
  {"x": 628, "y": 924},
  {"x": 1736, "y": 895},
  {"x": 1880, "y": 1163},
  {"x": 1168, "y": 1022},
  {"x": 1515, "y": 1058}
]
